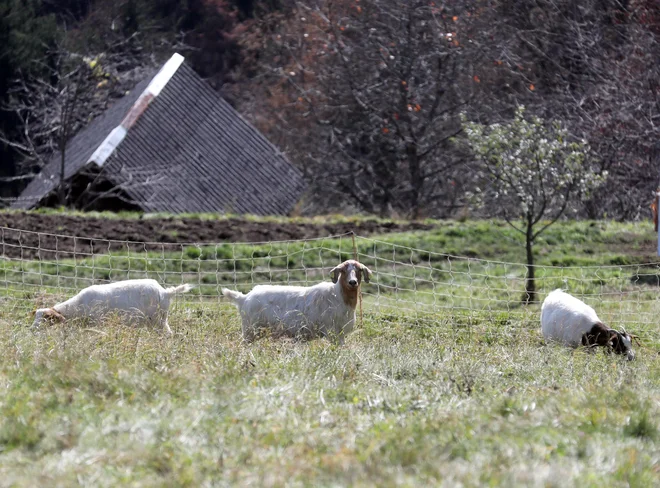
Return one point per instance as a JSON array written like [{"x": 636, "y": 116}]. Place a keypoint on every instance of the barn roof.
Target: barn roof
[{"x": 175, "y": 145}]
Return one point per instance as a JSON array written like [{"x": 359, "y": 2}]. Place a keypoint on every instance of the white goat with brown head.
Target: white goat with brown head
[
  {"x": 572, "y": 322},
  {"x": 137, "y": 302},
  {"x": 325, "y": 309}
]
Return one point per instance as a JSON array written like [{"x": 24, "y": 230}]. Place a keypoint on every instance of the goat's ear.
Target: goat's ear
[
  {"x": 613, "y": 339},
  {"x": 367, "y": 273},
  {"x": 585, "y": 339},
  {"x": 335, "y": 272}
]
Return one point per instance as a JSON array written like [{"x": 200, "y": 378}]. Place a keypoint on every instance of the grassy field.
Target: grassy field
[{"x": 459, "y": 390}]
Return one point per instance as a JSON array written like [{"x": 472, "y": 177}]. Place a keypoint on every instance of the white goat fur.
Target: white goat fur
[
  {"x": 136, "y": 301},
  {"x": 566, "y": 319},
  {"x": 325, "y": 309}
]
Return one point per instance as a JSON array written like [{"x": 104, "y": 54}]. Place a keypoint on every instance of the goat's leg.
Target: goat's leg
[
  {"x": 336, "y": 337},
  {"x": 248, "y": 330},
  {"x": 164, "y": 326}
]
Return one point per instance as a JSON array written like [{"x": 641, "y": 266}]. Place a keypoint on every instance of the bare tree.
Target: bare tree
[
  {"x": 49, "y": 110},
  {"x": 327, "y": 85},
  {"x": 377, "y": 87},
  {"x": 52, "y": 108}
]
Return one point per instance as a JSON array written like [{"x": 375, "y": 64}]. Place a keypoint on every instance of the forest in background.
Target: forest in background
[{"x": 365, "y": 96}]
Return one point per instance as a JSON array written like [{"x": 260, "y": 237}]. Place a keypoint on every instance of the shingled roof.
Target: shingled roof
[{"x": 174, "y": 145}]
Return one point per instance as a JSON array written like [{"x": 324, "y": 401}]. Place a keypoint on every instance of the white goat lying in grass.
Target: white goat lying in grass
[
  {"x": 325, "y": 309},
  {"x": 137, "y": 301},
  {"x": 572, "y": 322}
]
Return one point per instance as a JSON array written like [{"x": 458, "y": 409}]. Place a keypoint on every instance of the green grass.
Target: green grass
[
  {"x": 422, "y": 272},
  {"x": 398, "y": 405},
  {"x": 447, "y": 384}
]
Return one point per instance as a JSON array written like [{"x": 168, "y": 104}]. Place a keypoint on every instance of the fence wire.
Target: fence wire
[{"x": 426, "y": 286}]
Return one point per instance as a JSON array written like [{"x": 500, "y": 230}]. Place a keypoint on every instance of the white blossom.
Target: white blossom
[{"x": 533, "y": 166}]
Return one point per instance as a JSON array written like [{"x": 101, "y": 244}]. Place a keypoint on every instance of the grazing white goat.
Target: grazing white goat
[
  {"x": 570, "y": 321},
  {"x": 137, "y": 301},
  {"x": 325, "y": 309}
]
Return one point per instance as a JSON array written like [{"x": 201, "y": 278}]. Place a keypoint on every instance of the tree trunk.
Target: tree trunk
[
  {"x": 416, "y": 181},
  {"x": 61, "y": 191},
  {"x": 384, "y": 170},
  {"x": 530, "y": 295}
]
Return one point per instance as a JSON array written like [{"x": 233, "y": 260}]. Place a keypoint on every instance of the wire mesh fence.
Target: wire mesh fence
[{"x": 426, "y": 285}]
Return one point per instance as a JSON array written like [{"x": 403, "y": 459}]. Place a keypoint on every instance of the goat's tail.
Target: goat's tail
[
  {"x": 234, "y": 296},
  {"x": 178, "y": 289}
]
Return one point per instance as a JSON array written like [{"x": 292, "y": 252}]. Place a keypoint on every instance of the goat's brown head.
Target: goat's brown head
[
  {"x": 613, "y": 340},
  {"x": 54, "y": 315},
  {"x": 351, "y": 276},
  {"x": 49, "y": 315},
  {"x": 351, "y": 272}
]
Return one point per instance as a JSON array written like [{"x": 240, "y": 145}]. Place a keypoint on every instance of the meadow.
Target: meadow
[{"x": 447, "y": 382}]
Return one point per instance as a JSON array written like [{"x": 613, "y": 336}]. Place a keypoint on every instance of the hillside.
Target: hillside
[
  {"x": 171, "y": 229},
  {"x": 446, "y": 381},
  {"x": 593, "y": 242}
]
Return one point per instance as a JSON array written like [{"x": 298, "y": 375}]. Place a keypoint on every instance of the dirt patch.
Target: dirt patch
[{"x": 63, "y": 236}]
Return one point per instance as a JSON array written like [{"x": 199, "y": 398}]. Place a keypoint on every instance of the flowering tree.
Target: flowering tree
[{"x": 532, "y": 172}]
